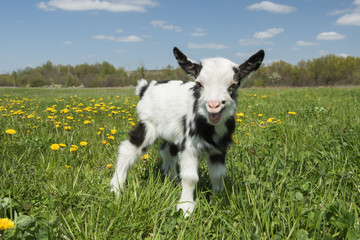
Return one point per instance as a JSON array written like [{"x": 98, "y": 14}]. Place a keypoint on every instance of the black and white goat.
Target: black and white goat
[{"x": 191, "y": 118}]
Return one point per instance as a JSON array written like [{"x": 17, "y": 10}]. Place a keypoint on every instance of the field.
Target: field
[{"x": 293, "y": 170}]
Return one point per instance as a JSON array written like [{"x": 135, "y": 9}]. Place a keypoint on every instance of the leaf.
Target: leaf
[
  {"x": 23, "y": 221},
  {"x": 252, "y": 178},
  {"x": 299, "y": 196},
  {"x": 302, "y": 234}
]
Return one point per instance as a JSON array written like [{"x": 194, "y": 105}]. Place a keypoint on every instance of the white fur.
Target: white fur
[{"x": 171, "y": 111}]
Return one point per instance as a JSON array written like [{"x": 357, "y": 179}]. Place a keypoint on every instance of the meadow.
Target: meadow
[{"x": 293, "y": 169}]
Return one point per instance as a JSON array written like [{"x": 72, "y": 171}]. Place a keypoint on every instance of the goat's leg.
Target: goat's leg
[
  {"x": 189, "y": 177},
  {"x": 129, "y": 151},
  {"x": 168, "y": 154},
  {"x": 217, "y": 170}
]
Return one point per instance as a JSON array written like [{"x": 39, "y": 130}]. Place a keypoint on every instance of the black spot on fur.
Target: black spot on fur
[
  {"x": 142, "y": 91},
  {"x": 204, "y": 130},
  {"x": 217, "y": 158},
  {"x": 173, "y": 149},
  {"x": 182, "y": 146},
  {"x": 137, "y": 136},
  {"x": 226, "y": 140},
  {"x": 184, "y": 124}
]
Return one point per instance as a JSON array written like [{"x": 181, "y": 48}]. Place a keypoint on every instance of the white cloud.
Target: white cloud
[
  {"x": 253, "y": 42},
  {"x": 352, "y": 16},
  {"x": 271, "y": 7},
  {"x": 349, "y": 19},
  {"x": 163, "y": 25},
  {"x": 207, "y": 45},
  {"x": 330, "y": 36},
  {"x": 270, "y": 33},
  {"x": 119, "y": 30},
  {"x": 105, "y": 5},
  {"x": 306, "y": 44},
  {"x": 243, "y": 55},
  {"x": 68, "y": 43},
  {"x": 199, "y": 32},
  {"x": 337, "y": 12},
  {"x": 344, "y": 55},
  {"x": 131, "y": 38}
]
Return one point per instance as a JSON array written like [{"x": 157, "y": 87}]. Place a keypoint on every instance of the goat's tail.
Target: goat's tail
[{"x": 141, "y": 87}]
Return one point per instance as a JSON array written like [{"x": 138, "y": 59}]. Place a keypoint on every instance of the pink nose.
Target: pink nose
[{"x": 213, "y": 104}]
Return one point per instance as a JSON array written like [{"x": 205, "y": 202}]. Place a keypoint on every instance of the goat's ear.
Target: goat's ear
[
  {"x": 249, "y": 66},
  {"x": 188, "y": 65}
]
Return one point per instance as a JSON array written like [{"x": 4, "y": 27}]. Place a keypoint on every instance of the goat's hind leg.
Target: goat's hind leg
[
  {"x": 129, "y": 151},
  {"x": 168, "y": 154}
]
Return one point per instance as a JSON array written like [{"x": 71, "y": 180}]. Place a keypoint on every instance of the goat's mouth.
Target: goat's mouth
[{"x": 216, "y": 117}]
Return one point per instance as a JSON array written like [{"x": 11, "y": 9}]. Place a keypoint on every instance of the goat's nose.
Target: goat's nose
[{"x": 213, "y": 104}]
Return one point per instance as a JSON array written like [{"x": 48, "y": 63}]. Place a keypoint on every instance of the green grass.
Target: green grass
[{"x": 290, "y": 176}]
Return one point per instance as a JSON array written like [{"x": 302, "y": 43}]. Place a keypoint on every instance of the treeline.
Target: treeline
[{"x": 329, "y": 70}]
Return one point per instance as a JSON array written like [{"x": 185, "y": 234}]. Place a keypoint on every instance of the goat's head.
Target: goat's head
[{"x": 217, "y": 81}]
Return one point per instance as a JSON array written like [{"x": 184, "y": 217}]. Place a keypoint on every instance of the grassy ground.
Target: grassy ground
[{"x": 293, "y": 170}]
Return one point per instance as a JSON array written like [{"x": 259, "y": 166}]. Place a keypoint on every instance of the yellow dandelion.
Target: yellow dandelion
[
  {"x": 67, "y": 166},
  {"x": 83, "y": 143},
  {"x": 101, "y": 129},
  {"x": 104, "y": 142},
  {"x": 240, "y": 114},
  {"x": 10, "y": 131},
  {"x": 111, "y": 137},
  {"x": 62, "y": 145},
  {"x": 108, "y": 166},
  {"x": 6, "y": 223},
  {"x": 146, "y": 156},
  {"x": 67, "y": 128},
  {"x": 270, "y": 120},
  {"x": 113, "y": 131},
  {"x": 55, "y": 147},
  {"x": 86, "y": 122},
  {"x": 292, "y": 113}
]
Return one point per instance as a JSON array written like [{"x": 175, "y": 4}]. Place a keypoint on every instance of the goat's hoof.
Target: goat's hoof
[{"x": 187, "y": 207}]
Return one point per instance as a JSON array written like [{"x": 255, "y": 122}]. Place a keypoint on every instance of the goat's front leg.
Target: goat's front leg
[
  {"x": 217, "y": 170},
  {"x": 189, "y": 177}
]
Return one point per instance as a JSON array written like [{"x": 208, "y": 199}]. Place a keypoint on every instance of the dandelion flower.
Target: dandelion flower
[
  {"x": 55, "y": 147},
  {"x": 240, "y": 114},
  {"x": 86, "y": 122},
  {"x": 109, "y": 166},
  {"x": 146, "y": 156},
  {"x": 67, "y": 166},
  {"x": 292, "y": 113},
  {"x": 6, "y": 223},
  {"x": 83, "y": 143},
  {"x": 10, "y": 131},
  {"x": 113, "y": 131},
  {"x": 104, "y": 142},
  {"x": 111, "y": 137},
  {"x": 62, "y": 145}
]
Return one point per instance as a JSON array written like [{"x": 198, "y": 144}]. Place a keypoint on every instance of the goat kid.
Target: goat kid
[{"x": 191, "y": 118}]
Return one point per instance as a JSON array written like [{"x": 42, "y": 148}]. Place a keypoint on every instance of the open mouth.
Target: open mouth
[{"x": 215, "y": 117}]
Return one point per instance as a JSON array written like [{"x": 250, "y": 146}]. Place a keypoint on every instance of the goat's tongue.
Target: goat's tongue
[{"x": 215, "y": 117}]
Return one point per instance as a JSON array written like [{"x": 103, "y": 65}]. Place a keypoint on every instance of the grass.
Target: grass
[{"x": 293, "y": 170}]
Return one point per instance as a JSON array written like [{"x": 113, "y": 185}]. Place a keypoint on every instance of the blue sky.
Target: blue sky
[{"x": 128, "y": 33}]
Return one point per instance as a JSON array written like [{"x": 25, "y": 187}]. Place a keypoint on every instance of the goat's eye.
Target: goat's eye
[
  {"x": 198, "y": 84},
  {"x": 232, "y": 88}
]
